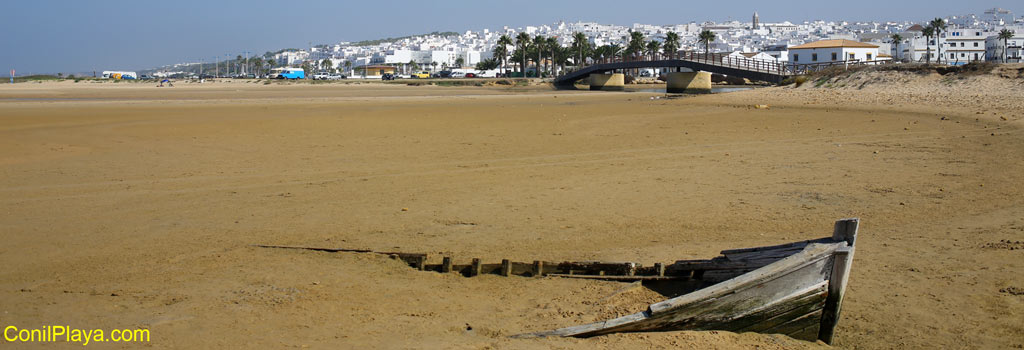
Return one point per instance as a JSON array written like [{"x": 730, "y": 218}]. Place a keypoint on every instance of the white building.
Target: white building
[
  {"x": 837, "y": 50},
  {"x": 779, "y": 52},
  {"x": 1014, "y": 48},
  {"x": 964, "y": 45}
]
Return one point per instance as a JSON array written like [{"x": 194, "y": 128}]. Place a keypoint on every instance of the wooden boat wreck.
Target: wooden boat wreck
[{"x": 794, "y": 289}]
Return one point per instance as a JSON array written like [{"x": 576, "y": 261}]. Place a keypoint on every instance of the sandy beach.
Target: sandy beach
[{"x": 132, "y": 206}]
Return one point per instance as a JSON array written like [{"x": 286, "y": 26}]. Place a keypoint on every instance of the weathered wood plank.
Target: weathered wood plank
[
  {"x": 845, "y": 231},
  {"x": 809, "y": 255},
  {"x": 771, "y": 247},
  {"x": 506, "y": 267},
  {"x": 798, "y": 303},
  {"x": 765, "y": 254},
  {"x": 620, "y": 278},
  {"x": 711, "y": 305},
  {"x": 475, "y": 269},
  {"x": 797, "y": 323},
  {"x": 809, "y": 333},
  {"x": 446, "y": 264}
]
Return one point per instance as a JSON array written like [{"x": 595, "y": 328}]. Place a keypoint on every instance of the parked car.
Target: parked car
[
  {"x": 421, "y": 75},
  {"x": 321, "y": 76},
  {"x": 471, "y": 75},
  {"x": 444, "y": 74},
  {"x": 387, "y": 76},
  {"x": 336, "y": 76},
  {"x": 457, "y": 75}
]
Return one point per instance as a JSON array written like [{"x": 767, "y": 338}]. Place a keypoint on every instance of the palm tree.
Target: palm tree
[
  {"x": 327, "y": 64},
  {"x": 238, "y": 64},
  {"x": 348, "y": 65},
  {"x": 553, "y": 46},
  {"x": 614, "y": 50},
  {"x": 460, "y": 61},
  {"x": 637, "y": 44},
  {"x": 928, "y": 32},
  {"x": 896, "y": 40},
  {"x": 502, "y": 51},
  {"x": 671, "y": 43},
  {"x": 539, "y": 43},
  {"x": 1005, "y": 35},
  {"x": 938, "y": 24},
  {"x": 523, "y": 41},
  {"x": 257, "y": 64},
  {"x": 653, "y": 47},
  {"x": 706, "y": 37},
  {"x": 579, "y": 42}
]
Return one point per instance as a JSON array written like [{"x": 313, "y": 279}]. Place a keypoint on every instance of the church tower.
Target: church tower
[{"x": 756, "y": 21}]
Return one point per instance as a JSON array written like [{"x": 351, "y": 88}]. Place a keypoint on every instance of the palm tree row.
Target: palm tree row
[{"x": 546, "y": 53}]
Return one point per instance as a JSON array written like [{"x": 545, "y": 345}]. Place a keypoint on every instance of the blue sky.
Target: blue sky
[{"x": 48, "y": 36}]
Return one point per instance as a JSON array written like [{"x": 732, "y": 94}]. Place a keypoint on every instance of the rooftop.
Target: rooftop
[{"x": 822, "y": 44}]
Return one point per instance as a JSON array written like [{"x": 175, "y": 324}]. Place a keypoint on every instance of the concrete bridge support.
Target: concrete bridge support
[
  {"x": 688, "y": 82},
  {"x": 610, "y": 82}
]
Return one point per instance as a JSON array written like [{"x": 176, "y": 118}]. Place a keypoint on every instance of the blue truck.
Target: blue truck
[{"x": 287, "y": 73}]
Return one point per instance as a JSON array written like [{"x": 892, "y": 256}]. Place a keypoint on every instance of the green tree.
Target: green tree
[
  {"x": 939, "y": 25},
  {"x": 460, "y": 61},
  {"x": 671, "y": 44},
  {"x": 896, "y": 40},
  {"x": 553, "y": 47},
  {"x": 539, "y": 44},
  {"x": 706, "y": 37},
  {"x": 327, "y": 64},
  {"x": 257, "y": 64},
  {"x": 580, "y": 43},
  {"x": 501, "y": 51},
  {"x": 523, "y": 41},
  {"x": 637, "y": 45},
  {"x": 487, "y": 64},
  {"x": 653, "y": 47},
  {"x": 928, "y": 32},
  {"x": 348, "y": 66},
  {"x": 1005, "y": 35}
]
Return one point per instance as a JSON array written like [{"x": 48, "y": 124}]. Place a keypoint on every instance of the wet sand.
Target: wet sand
[{"x": 126, "y": 205}]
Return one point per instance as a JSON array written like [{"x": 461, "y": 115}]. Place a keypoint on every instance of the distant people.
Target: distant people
[{"x": 168, "y": 81}]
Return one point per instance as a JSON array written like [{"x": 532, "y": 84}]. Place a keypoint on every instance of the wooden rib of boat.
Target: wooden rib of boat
[{"x": 794, "y": 289}]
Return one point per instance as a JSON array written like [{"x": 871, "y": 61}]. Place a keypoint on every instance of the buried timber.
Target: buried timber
[{"x": 794, "y": 289}]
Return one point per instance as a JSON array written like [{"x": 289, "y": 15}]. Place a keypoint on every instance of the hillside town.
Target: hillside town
[{"x": 994, "y": 35}]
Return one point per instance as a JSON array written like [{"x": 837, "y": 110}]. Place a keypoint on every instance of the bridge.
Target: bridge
[{"x": 752, "y": 69}]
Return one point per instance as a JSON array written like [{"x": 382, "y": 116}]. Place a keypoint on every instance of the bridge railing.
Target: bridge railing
[
  {"x": 744, "y": 63},
  {"x": 715, "y": 59}
]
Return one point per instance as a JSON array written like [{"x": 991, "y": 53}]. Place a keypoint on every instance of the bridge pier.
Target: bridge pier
[
  {"x": 688, "y": 82},
  {"x": 609, "y": 82}
]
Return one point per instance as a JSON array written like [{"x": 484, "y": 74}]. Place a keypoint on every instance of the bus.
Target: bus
[{"x": 287, "y": 73}]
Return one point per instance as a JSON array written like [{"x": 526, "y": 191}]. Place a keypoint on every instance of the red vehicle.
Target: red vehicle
[{"x": 470, "y": 75}]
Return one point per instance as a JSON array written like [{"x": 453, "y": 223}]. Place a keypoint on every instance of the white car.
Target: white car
[
  {"x": 336, "y": 76},
  {"x": 458, "y": 75},
  {"x": 321, "y": 76}
]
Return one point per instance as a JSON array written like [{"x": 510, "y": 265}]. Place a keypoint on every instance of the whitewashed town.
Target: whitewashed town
[{"x": 993, "y": 35}]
